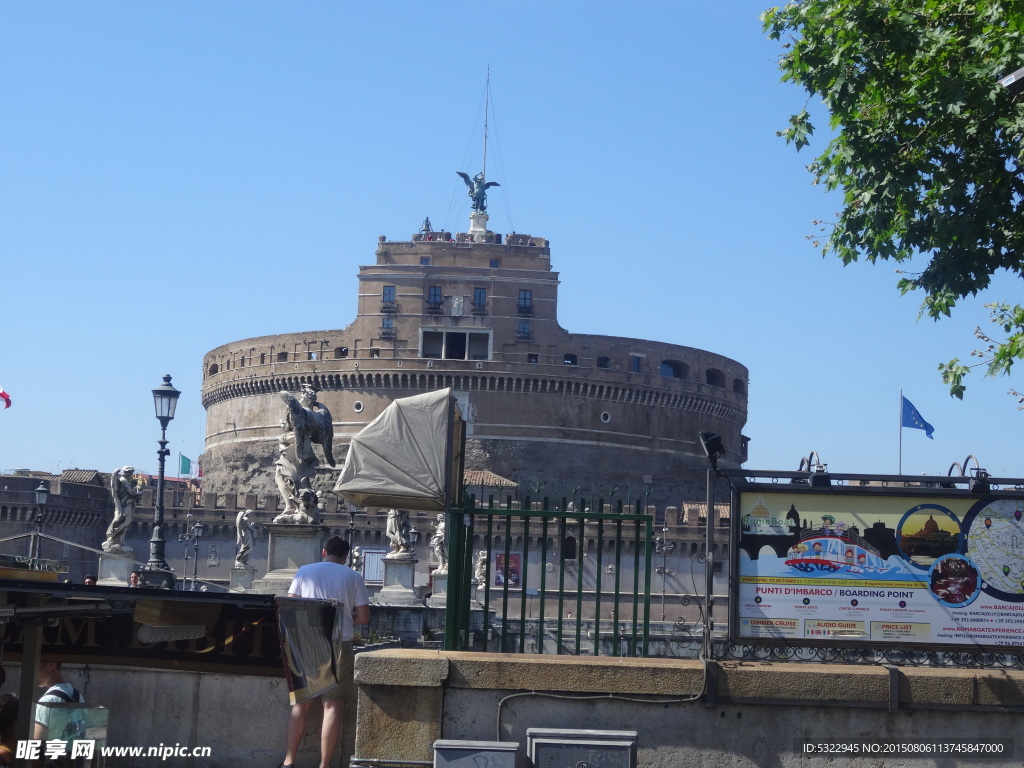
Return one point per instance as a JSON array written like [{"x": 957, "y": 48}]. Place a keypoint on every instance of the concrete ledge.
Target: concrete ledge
[
  {"x": 578, "y": 674},
  {"x": 411, "y": 667},
  {"x": 781, "y": 683},
  {"x": 804, "y": 683}
]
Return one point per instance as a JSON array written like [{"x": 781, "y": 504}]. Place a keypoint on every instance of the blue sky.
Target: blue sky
[{"x": 178, "y": 175}]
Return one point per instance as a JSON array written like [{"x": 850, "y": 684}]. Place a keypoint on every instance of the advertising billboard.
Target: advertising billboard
[{"x": 889, "y": 569}]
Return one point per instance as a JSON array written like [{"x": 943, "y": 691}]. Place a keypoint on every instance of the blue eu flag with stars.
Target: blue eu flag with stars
[{"x": 912, "y": 418}]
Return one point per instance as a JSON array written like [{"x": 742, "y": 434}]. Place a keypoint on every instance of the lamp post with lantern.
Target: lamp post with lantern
[
  {"x": 41, "y": 493},
  {"x": 157, "y": 573}
]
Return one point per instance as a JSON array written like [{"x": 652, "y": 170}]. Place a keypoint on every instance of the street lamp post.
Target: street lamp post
[
  {"x": 157, "y": 573},
  {"x": 41, "y": 494},
  {"x": 664, "y": 548},
  {"x": 351, "y": 532},
  {"x": 194, "y": 536}
]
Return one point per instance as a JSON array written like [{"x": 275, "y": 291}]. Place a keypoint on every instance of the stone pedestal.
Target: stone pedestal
[
  {"x": 478, "y": 225},
  {"x": 288, "y": 548},
  {"x": 242, "y": 579},
  {"x": 399, "y": 580},
  {"x": 114, "y": 570},
  {"x": 439, "y": 595}
]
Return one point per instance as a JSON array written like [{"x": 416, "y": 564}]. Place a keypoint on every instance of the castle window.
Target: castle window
[
  {"x": 495, "y": 263},
  {"x": 309, "y": 356},
  {"x": 673, "y": 369},
  {"x": 532, "y": 358},
  {"x": 739, "y": 386},
  {"x": 263, "y": 358},
  {"x": 604, "y": 362},
  {"x": 387, "y": 328},
  {"x": 434, "y": 298},
  {"x": 424, "y": 261},
  {"x": 455, "y": 345},
  {"x": 569, "y": 359},
  {"x": 525, "y": 304},
  {"x": 213, "y": 369},
  {"x": 523, "y": 332},
  {"x": 282, "y": 357},
  {"x": 714, "y": 377},
  {"x": 636, "y": 363},
  {"x": 340, "y": 353},
  {"x": 388, "y": 294},
  {"x": 479, "y": 301}
]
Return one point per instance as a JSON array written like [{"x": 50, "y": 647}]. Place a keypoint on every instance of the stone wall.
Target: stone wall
[{"x": 756, "y": 716}]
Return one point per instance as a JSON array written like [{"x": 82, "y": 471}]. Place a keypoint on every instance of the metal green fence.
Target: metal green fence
[{"x": 572, "y": 563}]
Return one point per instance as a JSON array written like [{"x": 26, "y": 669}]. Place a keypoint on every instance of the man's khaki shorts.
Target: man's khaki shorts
[{"x": 347, "y": 688}]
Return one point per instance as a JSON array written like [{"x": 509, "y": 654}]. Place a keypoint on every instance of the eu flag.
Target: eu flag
[{"x": 912, "y": 418}]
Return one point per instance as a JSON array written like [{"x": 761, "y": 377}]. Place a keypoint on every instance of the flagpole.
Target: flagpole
[{"x": 901, "y": 430}]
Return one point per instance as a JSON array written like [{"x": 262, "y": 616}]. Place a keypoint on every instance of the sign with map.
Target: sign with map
[{"x": 889, "y": 568}]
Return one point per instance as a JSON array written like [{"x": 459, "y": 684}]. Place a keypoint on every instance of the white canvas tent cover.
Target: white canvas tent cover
[{"x": 398, "y": 459}]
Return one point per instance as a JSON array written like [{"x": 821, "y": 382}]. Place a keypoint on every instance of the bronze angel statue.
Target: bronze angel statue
[
  {"x": 306, "y": 422},
  {"x": 478, "y": 189}
]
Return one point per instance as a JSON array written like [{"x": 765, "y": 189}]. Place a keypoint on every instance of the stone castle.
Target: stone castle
[{"x": 477, "y": 312}]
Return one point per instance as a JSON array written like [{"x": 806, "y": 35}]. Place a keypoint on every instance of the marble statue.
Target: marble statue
[
  {"x": 478, "y": 189},
  {"x": 306, "y": 422},
  {"x": 480, "y": 571},
  {"x": 398, "y": 533},
  {"x": 126, "y": 496},
  {"x": 246, "y": 535},
  {"x": 357, "y": 559},
  {"x": 439, "y": 544}
]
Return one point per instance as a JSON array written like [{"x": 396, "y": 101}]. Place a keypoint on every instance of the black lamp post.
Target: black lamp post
[
  {"x": 194, "y": 536},
  {"x": 664, "y": 547},
  {"x": 42, "y": 492},
  {"x": 156, "y": 573},
  {"x": 351, "y": 532}
]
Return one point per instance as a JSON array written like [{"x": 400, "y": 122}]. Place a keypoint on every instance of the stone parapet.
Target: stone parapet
[{"x": 409, "y": 698}]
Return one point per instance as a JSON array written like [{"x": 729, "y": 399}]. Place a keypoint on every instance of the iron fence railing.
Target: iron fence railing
[{"x": 571, "y": 565}]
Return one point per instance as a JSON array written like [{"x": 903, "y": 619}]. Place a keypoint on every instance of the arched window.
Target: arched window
[
  {"x": 714, "y": 377},
  {"x": 569, "y": 548},
  {"x": 569, "y": 359},
  {"x": 604, "y": 362},
  {"x": 739, "y": 386},
  {"x": 213, "y": 369},
  {"x": 673, "y": 369}
]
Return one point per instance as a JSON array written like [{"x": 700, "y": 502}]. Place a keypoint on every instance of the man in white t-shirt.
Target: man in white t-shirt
[
  {"x": 330, "y": 579},
  {"x": 58, "y": 691}
]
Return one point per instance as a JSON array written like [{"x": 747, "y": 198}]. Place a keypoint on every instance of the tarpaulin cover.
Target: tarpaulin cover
[{"x": 398, "y": 459}]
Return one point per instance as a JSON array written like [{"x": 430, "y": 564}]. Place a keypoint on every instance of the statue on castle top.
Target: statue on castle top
[
  {"x": 126, "y": 496},
  {"x": 306, "y": 422},
  {"x": 478, "y": 189},
  {"x": 357, "y": 559},
  {"x": 246, "y": 534},
  {"x": 439, "y": 543},
  {"x": 398, "y": 534}
]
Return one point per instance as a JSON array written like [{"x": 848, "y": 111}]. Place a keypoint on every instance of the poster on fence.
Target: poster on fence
[
  {"x": 904, "y": 569},
  {"x": 506, "y": 571}
]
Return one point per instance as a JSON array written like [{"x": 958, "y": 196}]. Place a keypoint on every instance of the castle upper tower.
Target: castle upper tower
[{"x": 477, "y": 311}]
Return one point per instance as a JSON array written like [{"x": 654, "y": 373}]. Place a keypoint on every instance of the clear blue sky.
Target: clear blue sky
[{"x": 178, "y": 175}]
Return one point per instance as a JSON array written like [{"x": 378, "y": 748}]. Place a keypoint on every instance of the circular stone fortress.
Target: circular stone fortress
[{"x": 477, "y": 312}]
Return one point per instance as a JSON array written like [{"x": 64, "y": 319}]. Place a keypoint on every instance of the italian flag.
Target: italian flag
[
  {"x": 6, "y": 398},
  {"x": 188, "y": 468}
]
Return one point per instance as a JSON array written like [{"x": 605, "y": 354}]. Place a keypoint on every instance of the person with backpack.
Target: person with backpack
[{"x": 58, "y": 691}]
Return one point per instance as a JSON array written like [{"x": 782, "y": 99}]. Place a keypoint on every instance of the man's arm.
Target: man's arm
[{"x": 361, "y": 615}]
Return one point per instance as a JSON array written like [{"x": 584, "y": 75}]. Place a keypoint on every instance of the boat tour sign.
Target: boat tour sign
[{"x": 893, "y": 568}]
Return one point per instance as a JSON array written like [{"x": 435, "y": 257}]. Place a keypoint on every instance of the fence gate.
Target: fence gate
[{"x": 528, "y": 578}]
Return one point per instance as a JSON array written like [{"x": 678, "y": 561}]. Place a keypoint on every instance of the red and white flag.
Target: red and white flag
[{"x": 6, "y": 398}]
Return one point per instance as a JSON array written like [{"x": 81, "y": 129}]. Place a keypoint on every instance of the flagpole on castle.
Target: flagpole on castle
[{"x": 901, "y": 430}]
